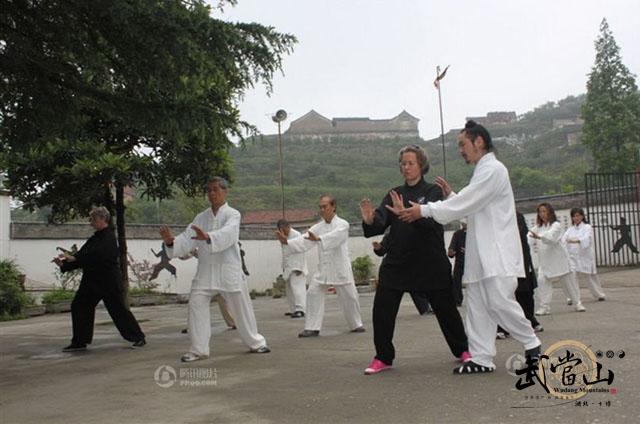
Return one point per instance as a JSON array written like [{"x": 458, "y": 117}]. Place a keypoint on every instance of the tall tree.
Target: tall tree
[
  {"x": 97, "y": 96},
  {"x": 612, "y": 109}
]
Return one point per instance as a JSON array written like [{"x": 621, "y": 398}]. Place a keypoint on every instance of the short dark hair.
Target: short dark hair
[
  {"x": 552, "y": 213},
  {"x": 282, "y": 223},
  {"x": 332, "y": 200},
  {"x": 579, "y": 211},
  {"x": 474, "y": 130}
]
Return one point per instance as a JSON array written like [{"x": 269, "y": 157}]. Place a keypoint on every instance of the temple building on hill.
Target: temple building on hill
[
  {"x": 315, "y": 126},
  {"x": 495, "y": 118}
]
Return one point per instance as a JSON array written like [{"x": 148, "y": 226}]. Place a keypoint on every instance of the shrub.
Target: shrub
[
  {"x": 57, "y": 295},
  {"x": 142, "y": 272},
  {"x": 362, "y": 268},
  {"x": 12, "y": 296}
]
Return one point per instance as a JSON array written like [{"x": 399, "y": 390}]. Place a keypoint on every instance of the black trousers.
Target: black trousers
[
  {"x": 421, "y": 301},
  {"x": 83, "y": 312},
  {"x": 525, "y": 299},
  {"x": 456, "y": 287},
  {"x": 385, "y": 310}
]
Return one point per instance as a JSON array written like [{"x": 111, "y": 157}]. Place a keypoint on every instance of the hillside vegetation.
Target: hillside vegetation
[{"x": 538, "y": 156}]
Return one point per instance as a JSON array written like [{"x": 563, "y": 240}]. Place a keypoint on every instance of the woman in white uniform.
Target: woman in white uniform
[
  {"x": 578, "y": 240},
  {"x": 553, "y": 261}
]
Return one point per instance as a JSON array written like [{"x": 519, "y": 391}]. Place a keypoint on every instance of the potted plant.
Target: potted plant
[
  {"x": 58, "y": 300},
  {"x": 362, "y": 270},
  {"x": 32, "y": 309}
]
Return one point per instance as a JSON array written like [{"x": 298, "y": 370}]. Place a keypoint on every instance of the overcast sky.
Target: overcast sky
[{"x": 375, "y": 58}]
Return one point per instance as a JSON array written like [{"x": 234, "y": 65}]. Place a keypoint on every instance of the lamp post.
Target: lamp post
[{"x": 280, "y": 116}]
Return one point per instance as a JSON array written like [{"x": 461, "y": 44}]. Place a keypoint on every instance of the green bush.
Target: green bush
[
  {"x": 12, "y": 296},
  {"x": 57, "y": 295},
  {"x": 362, "y": 268}
]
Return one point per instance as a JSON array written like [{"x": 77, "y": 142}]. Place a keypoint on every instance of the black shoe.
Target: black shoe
[
  {"x": 185, "y": 331},
  {"x": 309, "y": 333},
  {"x": 297, "y": 314},
  {"x": 138, "y": 344},
  {"x": 358, "y": 330},
  {"x": 261, "y": 349},
  {"x": 471, "y": 367},
  {"x": 288, "y": 314},
  {"x": 73, "y": 347}
]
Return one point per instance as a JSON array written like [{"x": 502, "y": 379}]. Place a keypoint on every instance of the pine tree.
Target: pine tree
[{"x": 612, "y": 109}]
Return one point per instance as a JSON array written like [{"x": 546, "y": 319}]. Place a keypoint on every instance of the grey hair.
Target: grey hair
[
  {"x": 100, "y": 211},
  {"x": 224, "y": 184},
  {"x": 421, "y": 155}
]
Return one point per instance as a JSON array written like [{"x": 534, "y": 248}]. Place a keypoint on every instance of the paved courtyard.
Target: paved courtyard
[{"x": 316, "y": 380}]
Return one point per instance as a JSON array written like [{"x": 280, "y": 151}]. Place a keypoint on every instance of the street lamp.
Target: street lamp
[{"x": 280, "y": 116}]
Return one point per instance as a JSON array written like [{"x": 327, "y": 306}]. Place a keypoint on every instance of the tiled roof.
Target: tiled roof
[{"x": 272, "y": 216}]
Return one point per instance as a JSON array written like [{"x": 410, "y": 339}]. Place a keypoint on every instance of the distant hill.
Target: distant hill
[{"x": 536, "y": 149}]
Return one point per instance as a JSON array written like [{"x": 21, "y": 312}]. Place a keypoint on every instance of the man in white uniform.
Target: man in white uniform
[
  {"x": 215, "y": 233},
  {"x": 331, "y": 236},
  {"x": 493, "y": 259},
  {"x": 294, "y": 266}
]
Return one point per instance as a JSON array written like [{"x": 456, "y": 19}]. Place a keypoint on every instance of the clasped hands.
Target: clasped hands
[{"x": 406, "y": 214}]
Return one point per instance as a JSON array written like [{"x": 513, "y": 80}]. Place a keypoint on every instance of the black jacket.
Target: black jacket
[
  {"x": 415, "y": 259},
  {"x": 98, "y": 258}
]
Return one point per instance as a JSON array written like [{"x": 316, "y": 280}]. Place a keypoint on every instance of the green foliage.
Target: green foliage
[
  {"x": 96, "y": 96},
  {"x": 612, "y": 110},
  {"x": 139, "y": 291},
  {"x": 57, "y": 295},
  {"x": 362, "y": 267},
  {"x": 12, "y": 296}
]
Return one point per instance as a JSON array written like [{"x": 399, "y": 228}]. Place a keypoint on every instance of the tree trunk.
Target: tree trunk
[{"x": 122, "y": 240}]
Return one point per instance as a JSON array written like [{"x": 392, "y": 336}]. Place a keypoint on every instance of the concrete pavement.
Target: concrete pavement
[{"x": 317, "y": 380}]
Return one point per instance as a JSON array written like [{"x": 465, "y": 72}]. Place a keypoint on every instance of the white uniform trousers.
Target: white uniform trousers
[
  {"x": 296, "y": 289},
  {"x": 491, "y": 302},
  {"x": 348, "y": 296},
  {"x": 200, "y": 318},
  {"x": 545, "y": 290},
  {"x": 594, "y": 283}
]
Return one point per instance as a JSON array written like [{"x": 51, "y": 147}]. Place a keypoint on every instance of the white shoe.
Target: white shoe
[
  {"x": 190, "y": 357},
  {"x": 580, "y": 308},
  {"x": 569, "y": 301},
  {"x": 543, "y": 311}
]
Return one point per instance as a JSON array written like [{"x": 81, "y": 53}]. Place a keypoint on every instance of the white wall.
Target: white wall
[
  {"x": 5, "y": 222},
  {"x": 263, "y": 258}
]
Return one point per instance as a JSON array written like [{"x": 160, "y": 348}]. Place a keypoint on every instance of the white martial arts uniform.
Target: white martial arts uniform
[
  {"x": 493, "y": 257},
  {"x": 553, "y": 265},
  {"x": 219, "y": 271},
  {"x": 294, "y": 267},
  {"x": 582, "y": 257},
  {"x": 334, "y": 268}
]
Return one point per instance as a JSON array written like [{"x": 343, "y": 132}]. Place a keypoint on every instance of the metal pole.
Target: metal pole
[
  {"x": 281, "y": 170},
  {"x": 444, "y": 159}
]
